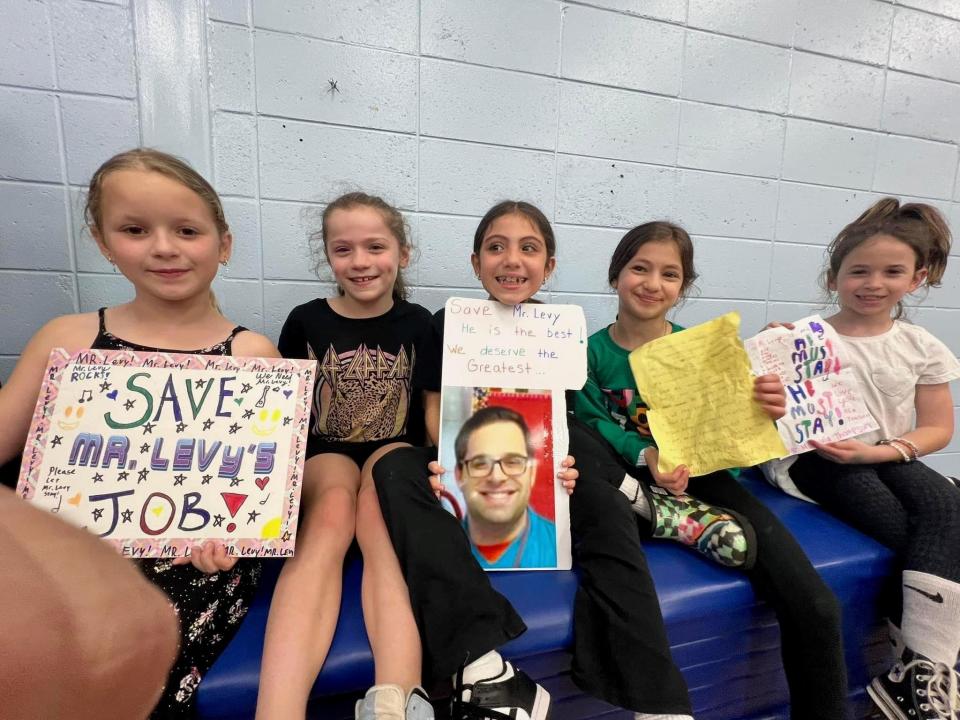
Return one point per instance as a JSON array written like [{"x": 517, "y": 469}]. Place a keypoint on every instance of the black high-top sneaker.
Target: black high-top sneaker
[
  {"x": 510, "y": 695},
  {"x": 916, "y": 688}
]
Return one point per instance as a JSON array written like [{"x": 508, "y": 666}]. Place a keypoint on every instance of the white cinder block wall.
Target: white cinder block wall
[{"x": 762, "y": 126}]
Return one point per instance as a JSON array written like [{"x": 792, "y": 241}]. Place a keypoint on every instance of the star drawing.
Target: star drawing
[
  {"x": 142, "y": 475},
  {"x": 206, "y": 479},
  {"x": 252, "y": 516},
  {"x": 98, "y": 477},
  {"x": 218, "y": 520},
  {"x": 148, "y": 428},
  {"x": 144, "y": 448},
  {"x": 181, "y": 426},
  {"x": 104, "y": 386},
  {"x": 234, "y": 482},
  {"x": 123, "y": 476},
  {"x": 286, "y": 536},
  {"x": 179, "y": 478},
  {"x": 207, "y": 424},
  {"x": 287, "y": 420},
  {"x": 128, "y": 405},
  {"x": 233, "y": 429},
  {"x": 98, "y": 513},
  {"x": 57, "y": 439},
  {"x": 247, "y": 387},
  {"x": 127, "y": 516},
  {"x": 200, "y": 384},
  {"x": 247, "y": 414}
]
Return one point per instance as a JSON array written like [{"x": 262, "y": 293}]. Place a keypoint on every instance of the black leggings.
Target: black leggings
[
  {"x": 908, "y": 507},
  {"x": 621, "y": 651},
  {"x": 808, "y": 612}
]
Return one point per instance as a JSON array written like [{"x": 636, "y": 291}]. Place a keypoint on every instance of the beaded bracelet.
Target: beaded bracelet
[
  {"x": 891, "y": 443},
  {"x": 912, "y": 446}
]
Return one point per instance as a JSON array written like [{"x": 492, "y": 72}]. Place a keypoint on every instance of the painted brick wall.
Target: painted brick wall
[{"x": 760, "y": 125}]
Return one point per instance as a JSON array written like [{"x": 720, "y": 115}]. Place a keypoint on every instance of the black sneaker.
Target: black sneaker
[
  {"x": 916, "y": 688},
  {"x": 510, "y": 695}
]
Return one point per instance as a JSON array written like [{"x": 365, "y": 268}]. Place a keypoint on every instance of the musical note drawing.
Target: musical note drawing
[
  {"x": 263, "y": 398},
  {"x": 59, "y": 503},
  {"x": 264, "y": 501},
  {"x": 86, "y": 396}
]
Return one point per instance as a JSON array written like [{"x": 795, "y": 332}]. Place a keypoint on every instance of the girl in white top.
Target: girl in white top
[{"x": 876, "y": 482}]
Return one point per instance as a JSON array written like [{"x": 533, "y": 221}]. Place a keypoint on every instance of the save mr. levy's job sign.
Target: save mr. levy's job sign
[{"x": 158, "y": 452}]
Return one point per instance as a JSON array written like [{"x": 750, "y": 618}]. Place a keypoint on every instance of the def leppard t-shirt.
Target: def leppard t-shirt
[{"x": 369, "y": 377}]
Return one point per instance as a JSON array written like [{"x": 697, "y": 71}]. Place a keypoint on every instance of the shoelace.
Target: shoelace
[
  {"x": 942, "y": 685},
  {"x": 942, "y": 690}
]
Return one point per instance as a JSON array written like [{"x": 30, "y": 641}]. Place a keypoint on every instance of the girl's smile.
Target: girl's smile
[
  {"x": 512, "y": 263},
  {"x": 160, "y": 234},
  {"x": 365, "y": 258},
  {"x": 875, "y": 276}
]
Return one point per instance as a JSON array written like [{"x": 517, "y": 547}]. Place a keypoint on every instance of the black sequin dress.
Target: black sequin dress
[{"x": 210, "y": 607}]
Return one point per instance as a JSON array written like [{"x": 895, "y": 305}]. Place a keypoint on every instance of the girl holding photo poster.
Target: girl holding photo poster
[
  {"x": 621, "y": 651},
  {"x": 161, "y": 225},
  {"x": 369, "y": 342},
  {"x": 651, "y": 270},
  {"x": 876, "y": 482}
]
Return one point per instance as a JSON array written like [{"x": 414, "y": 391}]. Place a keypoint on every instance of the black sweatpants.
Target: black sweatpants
[
  {"x": 808, "y": 612},
  {"x": 621, "y": 652},
  {"x": 908, "y": 507}
]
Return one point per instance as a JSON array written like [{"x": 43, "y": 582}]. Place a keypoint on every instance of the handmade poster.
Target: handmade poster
[
  {"x": 823, "y": 395},
  {"x": 699, "y": 390},
  {"x": 503, "y": 430},
  {"x": 159, "y": 452}
]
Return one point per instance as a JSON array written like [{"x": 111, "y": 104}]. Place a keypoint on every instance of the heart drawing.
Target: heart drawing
[{"x": 262, "y": 482}]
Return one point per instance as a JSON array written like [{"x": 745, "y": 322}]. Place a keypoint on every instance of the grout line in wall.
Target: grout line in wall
[
  {"x": 883, "y": 97},
  {"x": 256, "y": 178},
  {"x": 683, "y": 25},
  {"x": 683, "y": 66},
  {"x": 780, "y": 182},
  {"x": 64, "y": 173},
  {"x": 784, "y": 115},
  {"x": 31, "y": 90},
  {"x": 556, "y": 136}
]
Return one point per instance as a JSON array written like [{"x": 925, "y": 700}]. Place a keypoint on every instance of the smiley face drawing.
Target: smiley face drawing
[
  {"x": 266, "y": 422},
  {"x": 71, "y": 424}
]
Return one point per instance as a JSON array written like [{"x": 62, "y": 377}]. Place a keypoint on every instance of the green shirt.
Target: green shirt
[{"x": 610, "y": 402}]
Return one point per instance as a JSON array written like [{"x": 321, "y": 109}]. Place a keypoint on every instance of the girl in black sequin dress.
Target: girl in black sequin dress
[{"x": 162, "y": 226}]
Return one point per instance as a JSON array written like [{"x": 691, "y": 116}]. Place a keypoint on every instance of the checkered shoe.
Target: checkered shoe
[{"x": 714, "y": 532}]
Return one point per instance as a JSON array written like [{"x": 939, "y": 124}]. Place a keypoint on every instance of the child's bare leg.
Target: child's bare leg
[
  {"x": 306, "y": 601},
  {"x": 386, "y": 603}
]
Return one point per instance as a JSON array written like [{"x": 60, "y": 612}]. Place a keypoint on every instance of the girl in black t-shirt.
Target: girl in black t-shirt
[{"x": 368, "y": 342}]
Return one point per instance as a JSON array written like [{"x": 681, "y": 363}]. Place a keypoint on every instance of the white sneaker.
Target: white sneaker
[
  {"x": 508, "y": 694},
  {"x": 418, "y": 705},
  {"x": 382, "y": 702}
]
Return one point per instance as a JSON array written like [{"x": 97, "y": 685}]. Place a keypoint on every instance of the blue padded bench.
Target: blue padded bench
[{"x": 726, "y": 643}]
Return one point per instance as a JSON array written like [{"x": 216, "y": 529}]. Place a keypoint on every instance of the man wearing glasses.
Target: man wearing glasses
[{"x": 496, "y": 468}]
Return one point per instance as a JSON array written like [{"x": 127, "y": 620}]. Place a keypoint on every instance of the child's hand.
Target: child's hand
[
  {"x": 769, "y": 393},
  {"x": 568, "y": 476},
  {"x": 852, "y": 452},
  {"x": 675, "y": 481},
  {"x": 436, "y": 472},
  {"x": 788, "y": 326},
  {"x": 210, "y": 558}
]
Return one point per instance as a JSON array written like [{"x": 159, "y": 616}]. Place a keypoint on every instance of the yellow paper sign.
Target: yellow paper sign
[{"x": 698, "y": 386}]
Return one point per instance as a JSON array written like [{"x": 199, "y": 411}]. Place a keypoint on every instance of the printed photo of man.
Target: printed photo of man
[{"x": 495, "y": 470}]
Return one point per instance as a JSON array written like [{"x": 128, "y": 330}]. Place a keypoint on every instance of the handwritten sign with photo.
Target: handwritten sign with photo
[
  {"x": 159, "y": 452},
  {"x": 503, "y": 430},
  {"x": 823, "y": 395}
]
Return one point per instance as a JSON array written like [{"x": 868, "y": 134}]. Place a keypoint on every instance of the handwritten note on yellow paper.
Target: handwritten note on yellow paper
[{"x": 699, "y": 389}]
